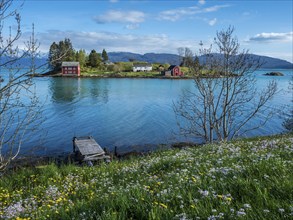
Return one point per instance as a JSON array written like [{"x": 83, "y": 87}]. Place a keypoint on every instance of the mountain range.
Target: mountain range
[{"x": 172, "y": 59}]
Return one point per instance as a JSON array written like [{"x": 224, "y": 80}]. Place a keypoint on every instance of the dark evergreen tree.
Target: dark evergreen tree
[
  {"x": 54, "y": 56},
  {"x": 105, "y": 56},
  {"x": 68, "y": 50},
  {"x": 94, "y": 59},
  {"x": 63, "y": 51}
]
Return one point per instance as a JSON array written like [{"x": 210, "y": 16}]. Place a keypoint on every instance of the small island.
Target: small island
[{"x": 274, "y": 74}]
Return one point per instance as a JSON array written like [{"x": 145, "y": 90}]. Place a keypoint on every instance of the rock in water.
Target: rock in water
[{"x": 274, "y": 74}]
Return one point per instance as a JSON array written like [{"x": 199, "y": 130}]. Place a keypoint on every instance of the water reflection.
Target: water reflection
[
  {"x": 99, "y": 90},
  {"x": 64, "y": 89},
  {"x": 70, "y": 90}
]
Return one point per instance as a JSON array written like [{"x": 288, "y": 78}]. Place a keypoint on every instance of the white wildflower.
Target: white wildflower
[
  {"x": 247, "y": 206},
  {"x": 203, "y": 192},
  {"x": 240, "y": 213}
]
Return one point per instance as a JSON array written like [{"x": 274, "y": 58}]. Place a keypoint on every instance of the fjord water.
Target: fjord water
[{"x": 122, "y": 112}]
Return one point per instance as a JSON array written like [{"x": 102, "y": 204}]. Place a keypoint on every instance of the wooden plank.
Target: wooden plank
[
  {"x": 88, "y": 146},
  {"x": 97, "y": 158}
]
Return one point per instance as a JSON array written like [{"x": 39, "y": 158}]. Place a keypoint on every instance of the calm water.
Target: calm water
[{"x": 121, "y": 112}]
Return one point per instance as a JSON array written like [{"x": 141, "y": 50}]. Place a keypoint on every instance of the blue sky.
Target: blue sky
[{"x": 161, "y": 26}]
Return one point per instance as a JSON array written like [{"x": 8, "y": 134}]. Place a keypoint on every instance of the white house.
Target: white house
[{"x": 142, "y": 67}]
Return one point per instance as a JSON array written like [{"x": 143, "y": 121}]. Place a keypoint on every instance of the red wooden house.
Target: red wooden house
[
  {"x": 70, "y": 69},
  {"x": 173, "y": 70}
]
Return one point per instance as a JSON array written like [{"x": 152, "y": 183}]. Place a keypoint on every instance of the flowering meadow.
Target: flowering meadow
[{"x": 244, "y": 179}]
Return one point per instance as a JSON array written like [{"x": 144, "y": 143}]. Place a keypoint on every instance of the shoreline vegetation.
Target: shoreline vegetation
[
  {"x": 241, "y": 179},
  {"x": 96, "y": 73},
  {"x": 143, "y": 75}
]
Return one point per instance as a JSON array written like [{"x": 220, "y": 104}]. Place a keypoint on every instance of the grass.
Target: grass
[
  {"x": 244, "y": 179},
  {"x": 121, "y": 74}
]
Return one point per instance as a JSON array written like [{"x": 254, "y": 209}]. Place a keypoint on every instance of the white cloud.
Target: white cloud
[
  {"x": 116, "y": 16},
  {"x": 214, "y": 8},
  {"x": 213, "y": 22},
  {"x": 159, "y": 43},
  {"x": 132, "y": 26},
  {"x": 180, "y": 13},
  {"x": 176, "y": 14},
  {"x": 202, "y": 2},
  {"x": 272, "y": 37},
  {"x": 113, "y": 1}
]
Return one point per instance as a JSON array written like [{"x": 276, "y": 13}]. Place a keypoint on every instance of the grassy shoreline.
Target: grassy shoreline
[
  {"x": 129, "y": 74},
  {"x": 243, "y": 179}
]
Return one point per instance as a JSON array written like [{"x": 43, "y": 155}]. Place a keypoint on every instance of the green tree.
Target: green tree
[
  {"x": 53, "y": 56},
  {"x": 81, "y": 57},
  {"x": 94, "y": 59},
  {"x": 63, "y": 51},
  {"x": 105, "y": 56},
  {"x": 68, "y": 50}
]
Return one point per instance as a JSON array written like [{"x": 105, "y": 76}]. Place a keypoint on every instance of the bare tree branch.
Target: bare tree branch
[
  {"x": 224, "y": 99},
  {"x": 20, "y": 110}
]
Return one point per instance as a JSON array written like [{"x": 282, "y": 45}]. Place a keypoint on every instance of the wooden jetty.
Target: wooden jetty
[{"x": 86, "y": 149}]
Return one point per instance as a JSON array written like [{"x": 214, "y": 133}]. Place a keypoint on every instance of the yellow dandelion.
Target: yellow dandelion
[
  {"x": 163, "y": 205},
  {"x": 193, "y": 179},
  {"x": 220, "y": 196},
  {"x": 192, "y": 206}
]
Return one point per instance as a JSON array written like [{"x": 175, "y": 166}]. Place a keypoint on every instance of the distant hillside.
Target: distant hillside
[
  {"x": 273, "y": 63},
  {"x": 148, "y": 57},
  {"x": 172, "y": 59},
  {"x": 269, "y": 62},
  {"x": 26, "y": 62}
]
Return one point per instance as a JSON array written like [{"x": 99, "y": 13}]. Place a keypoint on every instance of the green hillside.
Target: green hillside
[{"x": 245, "y": 179}]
